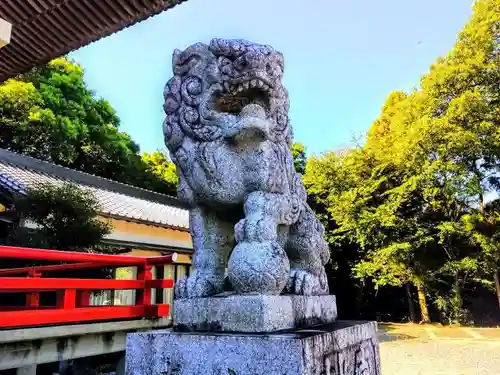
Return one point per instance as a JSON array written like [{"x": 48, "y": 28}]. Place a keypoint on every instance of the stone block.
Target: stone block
[
  {"x": 253, "y": 313},
  {"x": 341, "y": 348}
]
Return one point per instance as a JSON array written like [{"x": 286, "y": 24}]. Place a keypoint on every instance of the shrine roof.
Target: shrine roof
[
  {"x": 46, "y": 29},
  {"x": 19, "y": 173}
]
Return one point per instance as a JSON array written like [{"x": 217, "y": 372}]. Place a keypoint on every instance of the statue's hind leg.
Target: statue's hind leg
[
  {"x": 308, "y": 252},
  {"x": 212, "y": 241}
]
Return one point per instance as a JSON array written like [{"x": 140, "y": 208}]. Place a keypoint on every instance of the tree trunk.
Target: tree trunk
[
  {"x": 411, "y": 306},
  {"x": 457, "y": 289},
  {"x": 497, "y": 286},
  {"x": 495, "y": 273},
  {"x": 422, "y": 301}
]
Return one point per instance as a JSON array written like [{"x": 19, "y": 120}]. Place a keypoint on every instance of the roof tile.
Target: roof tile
[{"x": 18, "y": 178}]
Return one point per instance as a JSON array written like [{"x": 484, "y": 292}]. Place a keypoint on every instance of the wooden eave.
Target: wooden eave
[{"x": 46, "y": 29}]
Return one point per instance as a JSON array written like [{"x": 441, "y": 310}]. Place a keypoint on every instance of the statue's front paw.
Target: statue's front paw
[
  {"x": 256, "y": 229},
  {"x": 198, "y": 285},
  {"x": 305, "y": 283}
]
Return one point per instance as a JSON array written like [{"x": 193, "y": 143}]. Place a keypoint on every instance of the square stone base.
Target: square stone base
[
  {"x": 341, "y": 348},
  {"x": 253, "y": 313}
]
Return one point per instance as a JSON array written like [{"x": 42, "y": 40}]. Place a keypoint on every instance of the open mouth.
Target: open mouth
[{"x": 236, "y": 96}]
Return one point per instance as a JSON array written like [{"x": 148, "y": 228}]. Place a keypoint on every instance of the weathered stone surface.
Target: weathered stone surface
[
  {"x": 342, "y": 348},
  {"x": 253, "y": 313},
  {"x": 228, "y": 132}
]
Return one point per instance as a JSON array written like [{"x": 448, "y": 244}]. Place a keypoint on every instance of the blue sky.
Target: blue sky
[{"x": 342, "y": 58}]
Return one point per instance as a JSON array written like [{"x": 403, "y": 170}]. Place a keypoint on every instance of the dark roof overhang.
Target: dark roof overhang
[{"x": 45, "y": 29}]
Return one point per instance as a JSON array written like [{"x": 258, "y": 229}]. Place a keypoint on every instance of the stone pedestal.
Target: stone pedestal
[
  {"x": 253, "y": 313},
  {"x": 341, "y": 348}
]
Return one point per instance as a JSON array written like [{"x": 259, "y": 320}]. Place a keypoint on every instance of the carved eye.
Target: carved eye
[
  {"x": 224, "y": 61},
  {"x": 241, "y": 62},
  {"x": 225, "y": 65}
]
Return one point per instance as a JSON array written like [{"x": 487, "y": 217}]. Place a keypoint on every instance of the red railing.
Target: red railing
[{"x": 73, "y": 294}]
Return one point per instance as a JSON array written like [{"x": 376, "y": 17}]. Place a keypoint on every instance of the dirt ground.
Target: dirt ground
[
  {"x": 412, "y": 349},
  {"x": 438, "y": 331}
]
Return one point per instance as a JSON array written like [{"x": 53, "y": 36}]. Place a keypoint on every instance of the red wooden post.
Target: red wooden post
[
  {"x": 66, "y": 299},
  {"x": 33, "y": 298},
  {"x": 143, "y": 296},
  {"x": 83, "y": 298}
]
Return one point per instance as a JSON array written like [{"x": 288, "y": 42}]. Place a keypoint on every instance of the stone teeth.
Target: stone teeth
[
  {"x": 246, "y": 85},
  {"x": 240, "y": 88},
  {"x": 253, "y": 83},
  {"x": 260, "y": 83}
]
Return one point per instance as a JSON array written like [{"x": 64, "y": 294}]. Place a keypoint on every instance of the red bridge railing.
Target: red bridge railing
[{"x": 73, "y": 294}]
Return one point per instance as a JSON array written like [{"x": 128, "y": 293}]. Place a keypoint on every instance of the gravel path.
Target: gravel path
[{"x": 440, "y": 357}]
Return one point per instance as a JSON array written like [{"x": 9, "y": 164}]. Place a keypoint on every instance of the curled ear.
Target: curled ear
[{"x": 193, "y": 59}]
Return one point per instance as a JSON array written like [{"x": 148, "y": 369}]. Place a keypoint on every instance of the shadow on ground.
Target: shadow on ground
[
  {"x": 387, "y": 332},
  {"x": 384, "y": 337}
]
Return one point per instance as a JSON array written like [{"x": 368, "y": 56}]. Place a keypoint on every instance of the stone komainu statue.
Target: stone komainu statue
[{"x": 228, "y": 133}]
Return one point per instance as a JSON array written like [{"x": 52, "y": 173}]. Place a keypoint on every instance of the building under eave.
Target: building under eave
[
  {"x": 40, "y": 30},
  {"x": 144, "y": 222}
]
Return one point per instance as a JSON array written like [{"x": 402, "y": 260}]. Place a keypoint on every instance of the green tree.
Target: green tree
[
  {"x": 160, "y": 165},
  {"x": 299, "y": 157},
  {"x": 354, "y": 186},
  {"x": 66, "y": 218},
  {"x": 50, "y": 114},
  {"x": 413, "y": 197}
]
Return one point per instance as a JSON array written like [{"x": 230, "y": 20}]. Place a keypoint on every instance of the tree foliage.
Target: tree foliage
[
  {"x": 299, "y": 157},
  {"x": 418, "y": 198},
  {"x": 161, "y": 166},
  {"x": 50, "y": 114},
  {"x": 66, "y": 217}
]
